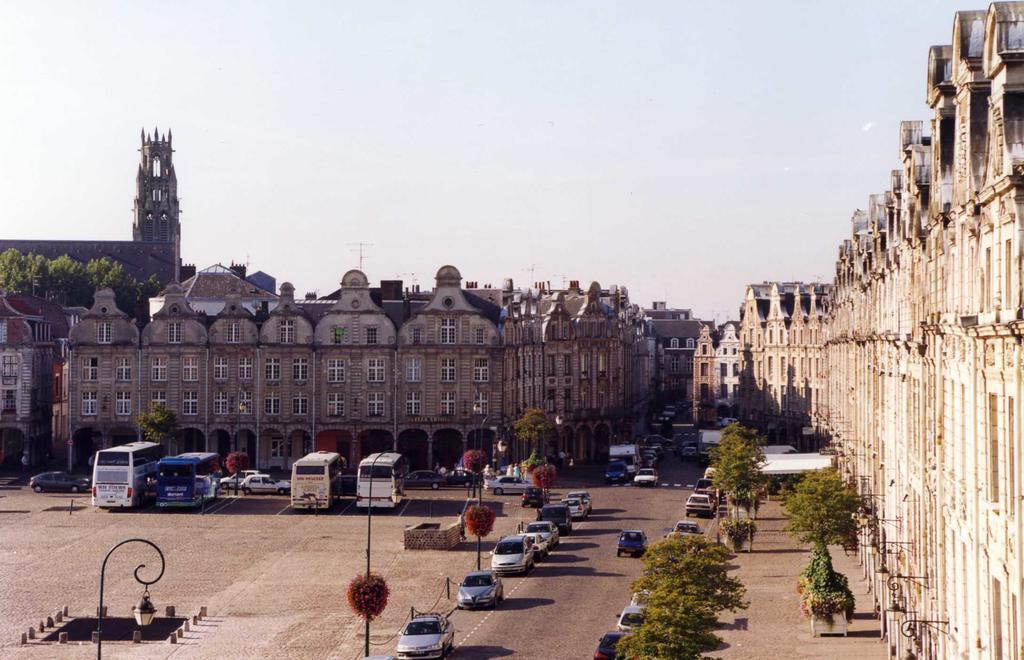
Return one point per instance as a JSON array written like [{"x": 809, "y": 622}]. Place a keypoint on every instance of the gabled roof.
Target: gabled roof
[{"x": 217, "y": 282}]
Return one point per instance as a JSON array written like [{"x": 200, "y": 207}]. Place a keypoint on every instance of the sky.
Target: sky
[{"x": 679, "y": 149}]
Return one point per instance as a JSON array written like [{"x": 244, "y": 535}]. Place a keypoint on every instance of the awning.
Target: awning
[{"x": 795, "y": 463}]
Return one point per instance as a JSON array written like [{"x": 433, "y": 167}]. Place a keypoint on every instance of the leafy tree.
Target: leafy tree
[
  {"x": 106, "y": 273},
  {"x": 533, "y": 427},
  {"x": 14, "y": 272},
  {"x": 157, "y": 425},
  {"x": 823, "y": 591},
  {"x": 738, "y": 460},
  {"x": 821, "y": 510},
  {"x": 69, "y": 282}
]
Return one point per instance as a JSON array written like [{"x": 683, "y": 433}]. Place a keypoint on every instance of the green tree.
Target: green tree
[
  {"x": 69, "y": 282},
  {"x": 688, "y": 586},
  {"x": 821, "y": 510},
  {"x": 738, "y": 460},
  {"x": 106, "y": 273},
  {"x": 533, "y": 427},
  {"x": 157, "y": 425},
  {"x": 14, "y": 272}
]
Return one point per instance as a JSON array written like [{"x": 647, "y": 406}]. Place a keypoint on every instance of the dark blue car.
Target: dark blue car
[
  {"x": 616, "y": 472},
  {"x": 606, "y": 646},
  {"x": 632, "y": 542}
]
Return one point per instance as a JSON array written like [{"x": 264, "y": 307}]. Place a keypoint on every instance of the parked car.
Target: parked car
[
  {"x": 502, "y": 485},
  {"x": 423, "y": 479},
  {"x": 558, "y": 514},
  {"x": 262, "y": 483},
  {"x": 460, "y": 477},
  {"x": 704, "y": 487},
  {"x": 606, "y": 645},
  {"x": 616, "y": 472},
  {"x": 229, "y": 482},
  {"x": 513, "y": 554},
  {"x": 426, "y": 636},
  {"x": 688, "y": 452},
  {"x": 584, "y": 497},
  {"x": 639, "y": 598},
  {"x": 535, "y": 497},
  {"x": 709, "y": 473},
  {"x": 726, "y": 421},
  {"x": 685, "y": 528},
  {"x": 700, "y": 505},
  {"x": 631, "y": 617},
  {"x": 59, "y": 482},
  {"x": 576, "y": 508},
  {"x": 646, "y": 477},
  {"x": 541, "y": 545},
  {"x": 632, "y": 542},
  {"x": 480, "y": 589},
  {"x": 545, "y": 528}
]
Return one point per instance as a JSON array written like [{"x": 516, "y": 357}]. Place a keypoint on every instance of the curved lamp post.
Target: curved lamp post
[
  {"x": 369, "y": 520},
  {"x": 144, "y": 611}
]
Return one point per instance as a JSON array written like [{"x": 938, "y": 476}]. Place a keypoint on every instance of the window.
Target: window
[
  {"x": 88, "y": 403},
  {"x": 551, "y": 365},
  {"x": 673, "y": 364},
  {"x": 479, "y": 336},
  {"x": 338, "y": 335},
  {"x": 375, "y": 370},
  {"x": 244, "y": 402},
  {"x": 335, "y": 404},
  {"x": 413, "y": 370},
  {"x": 220, "y": 403},
  {"x": 723, "y": 370},
  {"x": 413, "y": 403},
  {"x": 9, "y": 401},
  {"x": 480, "y": 403},
  {"x": 600, "y": 364},
  {"x": 550, "y": 401},
  {"x": 447, "y": 403},
  {"x": 234, "y": 332},
  {"x": 90, "y": 369},
  {"x": 300, "y": 405},
  {"x": 703, "y": 391},
  {"x": 448, "y": 370},
  {"x": 689, "y": 342},
  {"x": 272, "y": 369},
  {"x": 371, "y": 336},
  {"x": 585, "y": 364},
  {"x": 447, "y": 331},
  {"x": 245, "y": 368},
  {"x": 123, "y": 370},
  {"x": 300, "y": 369},
  {"x": 220, "y": 368},
  {"x": 10, "y": 367},
  {"x": 286, "y": 331},
  {"x": 735, "y": 368},
  {"x": 481, "y": 370},
  {"x": 104, "y": 335},
  {"x": 993, "y": 448},
  {"x": 174, "y": 333},
  {"x": 3, "y": 332},
  {"x": 158, "y": 398},
  {"x": 703, "y": 369},
  {"x": 190, "y": 402},
  {"x": 723, "y": 390},
  {"x": 566, "y": 365},
  {"x": 335, "y": 370},
  {"x": 272, "y": 405},
  {"x": 190, "y": 369},
  {"x": 375, "y": 404},
  {"x": 1011, "y": 471},
  {"x": 674, "y": 342},
  {"x": 123, "y": 403},
  {"x": 416, "y": 335},
  {"x": 704, "y": 349}
]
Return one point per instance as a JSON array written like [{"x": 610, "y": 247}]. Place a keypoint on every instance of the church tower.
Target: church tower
[{"x": 156, "y": 194}]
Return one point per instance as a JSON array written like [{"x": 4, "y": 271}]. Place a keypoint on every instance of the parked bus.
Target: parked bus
[
  {"x": 121, "y": 475},
  {"x": 316, "y": 480},
  {"x": 386, "y": 473},
  {"x": 187, "y": 479}
]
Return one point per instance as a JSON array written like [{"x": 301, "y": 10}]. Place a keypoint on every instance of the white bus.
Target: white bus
[
  {"x": 386, "y": 473},
  {"x": 316, "y": 480},
  {"x": 121, "y": 475}
]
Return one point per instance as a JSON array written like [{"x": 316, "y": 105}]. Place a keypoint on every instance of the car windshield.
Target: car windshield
[
  {"x": 555, "y": 512},
  {"x": 509, "y": 548},
  {"x": 633, "y": 618},
  {"x": 703, "y": 483},
  {"x": 647, "y": 472},
  {"x": 630, "y": 536},
  {"x": 538, "y": 528},
  {"x": 572, "y": 503},
  {"x": 423, "y": 628},
  {"x": 618, "y": 465},
  {"x": 686, "y": 527},
  {"x": 478, "y": 581},
  {"x": 611, "y": 639},
  {"x": 698, "y": 499}
]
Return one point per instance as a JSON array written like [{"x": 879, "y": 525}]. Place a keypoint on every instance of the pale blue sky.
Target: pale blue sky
[{"x": 679, "y": 148}]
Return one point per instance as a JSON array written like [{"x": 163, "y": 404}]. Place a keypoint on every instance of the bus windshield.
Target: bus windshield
[
  {"x": 317, "y": 470},
  {"x": 167, "y": 471},
  {"x": 379, "y": 471},
  {"x": 113, "y": 458}
]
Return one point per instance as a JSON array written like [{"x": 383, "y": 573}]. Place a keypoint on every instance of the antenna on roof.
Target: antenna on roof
[
  {"x": 531, "y": 270},
  {"x": 358, "y": 247}
]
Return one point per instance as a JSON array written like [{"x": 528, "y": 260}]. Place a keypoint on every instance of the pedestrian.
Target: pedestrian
[
  {"x": 24, "y": 462},
  {"x": 443, "y": 471},
  {"x": 516, "y": 473},
  {"x": 571, "y": 461},
  {"x": 561, "y": 458}
]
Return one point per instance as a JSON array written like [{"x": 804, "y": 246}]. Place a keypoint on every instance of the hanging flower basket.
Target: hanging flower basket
[
  {"x": 480, "y": 520},
  {"x": 368, "y": 595},
  {"x": 474, "y": 460},
  {"x": 543, "y": 476}
]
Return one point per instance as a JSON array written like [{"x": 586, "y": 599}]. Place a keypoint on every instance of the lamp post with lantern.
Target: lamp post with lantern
[{"x": 144, "y": 611}]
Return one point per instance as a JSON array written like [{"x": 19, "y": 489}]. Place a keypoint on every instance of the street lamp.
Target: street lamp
[
  {"x": 369, "y": 520},
  {"x": 144, "y": 611}
]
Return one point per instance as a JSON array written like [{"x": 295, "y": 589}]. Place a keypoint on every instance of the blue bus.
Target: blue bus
[{"x": 187, "y": 479}]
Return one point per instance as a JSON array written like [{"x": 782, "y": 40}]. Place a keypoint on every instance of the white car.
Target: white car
[
  {"x": 584, "y": 497},
  {"x": 426, "y": 636},
  {"x": 502, "y": 485},
  {"x": 262, "y": 483},
  {"x": 646, "y": 477},
  {"x": 229, "y": 482},
  {"x": 513, "y": 554},
  {"x": 631, "y": 617},
  {"x": 547, "y": 529},
  {"x": 576, "y": 508},
  {"x": 541, "y": 544}
]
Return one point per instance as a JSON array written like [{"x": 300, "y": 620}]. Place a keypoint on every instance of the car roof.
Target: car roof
[
  {"x": 632, "y": 530},
  {"x": 633, "y": 609},
  {"x": 511, "y": 537},
  {"x": 427, "y": 617},
  {"x": 472, "y": 573}
]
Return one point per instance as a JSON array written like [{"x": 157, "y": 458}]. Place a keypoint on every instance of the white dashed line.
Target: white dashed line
[
  {"x": 404, "y": 508},
  {"x": 487, "y": 616}
]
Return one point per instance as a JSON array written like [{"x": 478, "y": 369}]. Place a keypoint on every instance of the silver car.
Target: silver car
[
  {"x": 502, "y": 485},
  {"x": 480, "y": 589},
  {"x": 426, "y": 636},
  {"x": 547, "y": 529},
  {"x": 584, "y": 497}
]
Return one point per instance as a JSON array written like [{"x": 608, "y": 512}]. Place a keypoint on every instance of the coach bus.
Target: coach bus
[
  {"x": 316, "y": 480},
  {"x": 187, "y": 480},
  {"x": 385, "y": 474},
  {"x": 121, "y": 475}
]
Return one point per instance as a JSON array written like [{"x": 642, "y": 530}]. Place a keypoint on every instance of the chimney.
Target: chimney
[
  {"x": 238, "y": 269},
  {"x": 187, "y": 271}
]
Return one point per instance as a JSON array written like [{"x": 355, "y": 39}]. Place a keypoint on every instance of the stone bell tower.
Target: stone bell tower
[{"x": 156, "y": 194}]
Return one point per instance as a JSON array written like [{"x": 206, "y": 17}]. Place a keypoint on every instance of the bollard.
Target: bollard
[
  {"x": 49, "y": 622},
  {"x": 31, "y": 633},
  {"x": 58, "y": 617},
  {"x": 62, "y": 638},
  {"x": 180, "y": 633},
  {"x": 64, "y": 611},
  {"x": 95, "y": 637},
  {"x": 42, "y": 626},
  {"x": 186, "y": 627},
  {"x": 169, "y": 611},
  {"x": 195, "y": 619},
  {"x": 104, "y": 611},
  {"x": 202, "y": 611},
  {"x": 173, "y": 639},
  {"x": 24, "y": 638},
  {"x": 136, "y": 637}
]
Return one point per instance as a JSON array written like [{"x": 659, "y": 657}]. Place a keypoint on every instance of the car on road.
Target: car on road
[
  {"x": 632, "y": 542},
  {"x": 685, "y": 528},
  {"x": 480, "y": 589},
  {"x": 229, "y": 482},
  {"x": 648, "y": 459},
  {"x": 547, "y": 529},
  {"x": 262, "y": 483},
  {"x": 646, "y": 477},
  {"x": 535, "y": 497},
  {"x": 640, "y": 598},
  {"x": 584, "y": 497},
  {"x": 606, "y": 645},
  {"x": 688, "y": 452},
  {"x": 704, "y": 487},
  {"x": 506, "y": 484},
  {"x": 424, "y": 479},
  {"x": 541, "y": 545},
  {"x": 576, "y": 508},
  {"x": 426, "y": 636},
  {"x": 59, "y": 482},
  {"x": 616, "y": 472},
  {"x": 558, "y": 514},
  {"x": 699, "y": 504},
  {"x": 513, "y": 554},
  {"x": 726, "y": 421},
  {"x": 631, "y": 617},
  {"x": 460, "y": 477}
]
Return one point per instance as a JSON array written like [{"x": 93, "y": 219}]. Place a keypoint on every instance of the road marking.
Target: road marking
[
  {"x": 285, "y": 509},
  {"x": 677, "y": 485},
  {"x": 664, "y": 485},
  {"x": 350, "y": 505},
  {"x": 488, "y": 616},
  {"x": 406, "y": 506}
]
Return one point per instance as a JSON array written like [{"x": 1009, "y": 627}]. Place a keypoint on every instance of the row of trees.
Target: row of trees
[{"x": 72, "y": 282}]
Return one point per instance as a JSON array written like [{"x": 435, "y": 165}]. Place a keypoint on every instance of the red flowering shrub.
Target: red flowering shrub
[
  {"x": 368, "y": 595},
  {"x": 480, "y": 520},
  {"x": 237, "y": 462},
  {"x": 474, "y": 460},
  {"x": 544, "y": 476}
]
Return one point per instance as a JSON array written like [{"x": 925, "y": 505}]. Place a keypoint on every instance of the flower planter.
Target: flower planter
[{"x": 823, "y": 626}]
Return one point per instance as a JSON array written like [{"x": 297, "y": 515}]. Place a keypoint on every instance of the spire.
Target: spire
[
  {"x": 156, "y": 134},
  {"x": 142, "y": 135},
  {"x": 170, "y": 136}
]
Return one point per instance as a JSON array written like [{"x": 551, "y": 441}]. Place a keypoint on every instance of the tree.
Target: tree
[
  {"x": 104, "y": 273},
  {"x": 823, "y": 591},
  {"x": 738, "y": 460},
  {"x": 821, "y": 510},
  {"x": 157, "y": 425},
  {"x": 532, "y": 427},
  {"x": 69, "y": 282}
]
